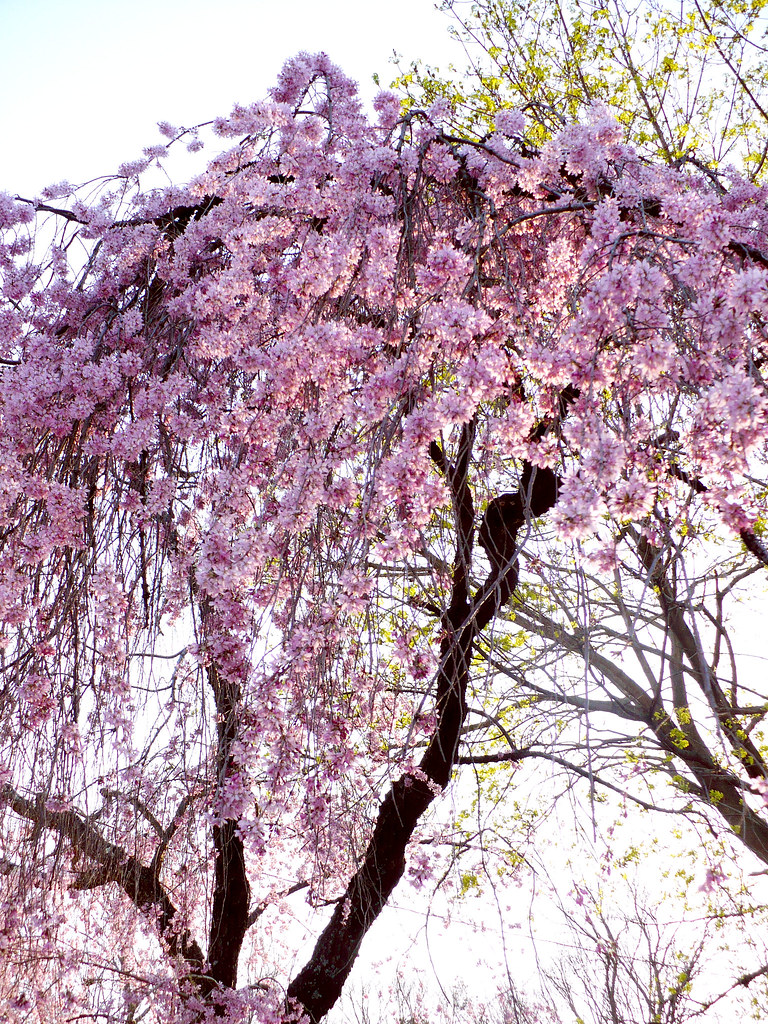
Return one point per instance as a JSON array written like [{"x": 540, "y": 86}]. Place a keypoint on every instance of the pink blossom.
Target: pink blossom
[
  {"x": 713, "y": 879},
  {"x": 631, "y": 498},
  {"x": 510, "y": 122},
  {"x": 387, "y": 106}
]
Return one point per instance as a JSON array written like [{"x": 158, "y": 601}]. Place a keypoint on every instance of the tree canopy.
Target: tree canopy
[
  {"x": 377, "y": 456},
  {"x": 687, "y": 81}
]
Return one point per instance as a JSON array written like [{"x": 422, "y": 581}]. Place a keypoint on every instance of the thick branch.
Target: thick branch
[
  {"x": 754, "y": 545},
  {"x": 231, "y": 893},
  {"x": 639, "y": 705},
  {"x": 717, "y": 784},
  {"x": 112, "y": 864},
  {"x": 317, "y": 987},
  {"x": 229, "y": 913},
  {"x": 682, "y": 635}
]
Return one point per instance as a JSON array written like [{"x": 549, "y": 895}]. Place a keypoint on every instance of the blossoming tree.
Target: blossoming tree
[{"x": 304, "y": 468}]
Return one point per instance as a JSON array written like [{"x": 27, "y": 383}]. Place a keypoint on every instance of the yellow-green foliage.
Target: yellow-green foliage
[{"x": 686, "y": 81}]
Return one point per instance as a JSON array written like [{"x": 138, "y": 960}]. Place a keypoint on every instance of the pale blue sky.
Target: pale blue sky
[{"x": 84, "y": 82}]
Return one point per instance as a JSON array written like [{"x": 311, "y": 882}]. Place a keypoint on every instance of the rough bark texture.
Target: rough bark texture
[
  {"x": 229, "y": 912},
  {"x": 231, "y": 893}
]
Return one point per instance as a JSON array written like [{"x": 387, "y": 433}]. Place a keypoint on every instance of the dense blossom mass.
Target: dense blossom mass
[{"x": 287, "y": 454}]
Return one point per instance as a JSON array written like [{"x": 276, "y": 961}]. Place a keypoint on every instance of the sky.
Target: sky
[{"x": 83, "y": 83}]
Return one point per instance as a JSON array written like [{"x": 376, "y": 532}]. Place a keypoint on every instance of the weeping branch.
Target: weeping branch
[{"x": 110, "y": 863}]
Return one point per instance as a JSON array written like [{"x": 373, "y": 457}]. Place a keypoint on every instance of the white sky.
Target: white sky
[{"x": 83, "y": 83}]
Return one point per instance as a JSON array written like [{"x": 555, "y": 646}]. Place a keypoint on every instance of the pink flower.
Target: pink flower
[
  {"x": 510, "y": 122},
  {"x": 387, "y": 106},
  {"x": 631, "y": 498},
  {"x": 713, "y": 879}
]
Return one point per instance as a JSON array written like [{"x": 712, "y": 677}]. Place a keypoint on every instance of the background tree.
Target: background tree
[
  {"x": 251, "y": 430},
  {"x": 686, "y": 81},
  {"x": 688, "y": 85}
]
